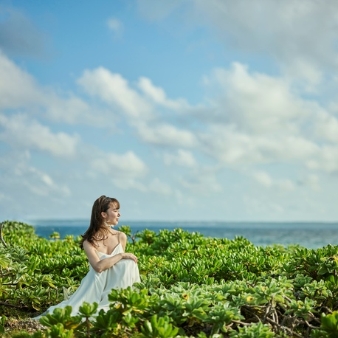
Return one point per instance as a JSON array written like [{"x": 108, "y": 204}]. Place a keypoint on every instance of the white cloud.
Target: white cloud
[
  {"x": 115, "y": 25},
  {"x": 285, "y": 184},
  {"x": 312, "y": 181},
  {"x": 287, "y": 30},
  {"x": 155, "y": 93},
  {"x": 123, "y": 170},
  {"x": 182, "y": 158},
  {"x": 17, "y": 87},
  {"x": 115, "y": 90},
  {"x": 205, "y": 185},
  {"x": 23, "y": 179},
  {"x": 259, "y": 207},
  {"x": 326, "y": 127},
  {"x": 119, "y": 166},
  {"x": 300, "y": 35},
  {"x": 158, "y": 95},
  {"x": 23, "y": 132},
  {"x": 325, "y": 160},
  {"x": 267, "y": 181},
  {"x": 20, "y": 91},
  {"x": 305, "y": 75},
  {"x": 257, "y": 119},
  {"x": 129, "y": 184},
  {"x": 40, "y": 183},
  {"x": 201, "y": 181},
  {"x": 160, "y": 187},
  {"x": 73, "y": 110},
  {"x": 228, "y": 145},
  {"x": 252, "y": 118},
  {"x": 166, "y": 134},
  {"x": 263, "y": 178},
  {"x": 255, "y": 102}
]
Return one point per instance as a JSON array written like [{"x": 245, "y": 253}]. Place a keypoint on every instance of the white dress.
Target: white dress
[{"x": 95, "y": 286}]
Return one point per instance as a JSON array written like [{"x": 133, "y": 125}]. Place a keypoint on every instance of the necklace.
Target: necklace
[{"x": 113, "y": 234}]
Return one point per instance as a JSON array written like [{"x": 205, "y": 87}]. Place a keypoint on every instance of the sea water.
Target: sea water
[{"x": 307, "y": 234}]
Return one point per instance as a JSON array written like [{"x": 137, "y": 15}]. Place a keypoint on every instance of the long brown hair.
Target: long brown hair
[{"x": 97, "y": 231}]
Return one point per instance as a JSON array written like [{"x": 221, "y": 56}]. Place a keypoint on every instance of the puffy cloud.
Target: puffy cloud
[
  {"x": 182, "y": 158},
  {"x": 254, "y": 102},
  {"x": 19, "y": 91},
  {"x": 325, "y": 160},
  {"x": 23, "y": 179},
  {"x": 310, "y": 180},
  {"x": 41, "y": 184},
  {"x": 25, "y": 133},
  {"x": 115, "y": 90},
  {"x": 203, "y": 181},
  {"x": 73, "y": 110},
  {"x": 267, "y": 181},
  {"x": 158, "y": 95},
  {"x": 166, "y": 134},
  {"x": 300, "y": 35},
  {"x": 287, "y": 30},
  {"x": 123, "y": 170},
  {"x": 155, "y": 93},
  {"x": 263, "y": 206},
  {"x": 233, "y": 147},
  {"x": 17, "y": 88},
  {"x": 160, "y": 187},
  {"x": 263, "y": 178},
  {"x": 119, "y": 166},
  {"x": 326, "y": 127},
  {"x": 256, "y": 118},
  {"x": 305, "y": 75},
  {"x": 129, "y": 184}
]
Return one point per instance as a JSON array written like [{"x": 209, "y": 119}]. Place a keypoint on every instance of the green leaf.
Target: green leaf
[{"x": 88, "y": 310}]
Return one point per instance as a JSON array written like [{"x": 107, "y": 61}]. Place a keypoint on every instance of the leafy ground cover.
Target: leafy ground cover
[{"x": 192, "y": 286}]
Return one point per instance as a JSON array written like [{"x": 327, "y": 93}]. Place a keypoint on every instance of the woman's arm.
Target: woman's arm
[{"x": 106, "y": 263}]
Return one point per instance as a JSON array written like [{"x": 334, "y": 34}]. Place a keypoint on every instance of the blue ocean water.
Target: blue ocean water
[{"x": 307, "y": 234}]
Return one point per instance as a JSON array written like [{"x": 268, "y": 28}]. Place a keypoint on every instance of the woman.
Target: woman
[{"x": 110, "y": 267}]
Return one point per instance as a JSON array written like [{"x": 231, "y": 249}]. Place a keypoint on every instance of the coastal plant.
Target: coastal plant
[
  {"x": 193, "y": 285},
  {"x": 2, "y": 324},
  {"x": 222, "y": 316},
  {"x": 328, "y": 327},
  {"x": 61, "y": 316},
  {"x": 257, "y": 330},
  {"x": 158, "y": 327}
]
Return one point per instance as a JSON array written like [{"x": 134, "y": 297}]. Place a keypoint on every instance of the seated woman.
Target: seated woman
[{"x": 110, "y": 266}]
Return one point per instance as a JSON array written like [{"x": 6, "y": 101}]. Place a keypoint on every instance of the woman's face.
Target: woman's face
[{"x": 111, "y": 216}]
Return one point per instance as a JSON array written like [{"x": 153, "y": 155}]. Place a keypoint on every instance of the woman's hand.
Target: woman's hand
[{"x": 127, "y": 255}]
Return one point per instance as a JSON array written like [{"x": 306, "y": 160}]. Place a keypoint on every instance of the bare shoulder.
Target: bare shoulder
[
  {"x": 123, "y": 239},
  {"x": 87, "y": 246},
  {"x": 122, "y": 236}
]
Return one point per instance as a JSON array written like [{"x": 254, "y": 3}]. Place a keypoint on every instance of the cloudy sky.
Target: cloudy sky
[{"x": 183, "y": 110}]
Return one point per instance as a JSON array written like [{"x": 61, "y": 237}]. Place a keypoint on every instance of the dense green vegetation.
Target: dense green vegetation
[{"x": 192, "y": 286}]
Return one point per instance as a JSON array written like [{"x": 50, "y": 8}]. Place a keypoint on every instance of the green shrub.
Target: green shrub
[{"x": 192, "y": 286}]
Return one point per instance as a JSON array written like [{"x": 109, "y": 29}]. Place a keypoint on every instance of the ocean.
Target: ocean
[{"x": 311, "y": 235}]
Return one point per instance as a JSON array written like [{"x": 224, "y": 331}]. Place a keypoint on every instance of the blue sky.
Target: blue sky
[{"x": 183, "y": 110}]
